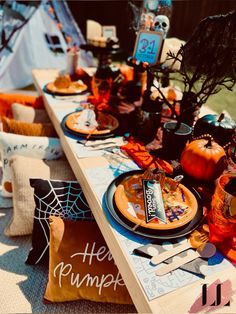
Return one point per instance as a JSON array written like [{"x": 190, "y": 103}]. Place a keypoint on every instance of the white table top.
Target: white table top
[{"x": 178, "y": 301}]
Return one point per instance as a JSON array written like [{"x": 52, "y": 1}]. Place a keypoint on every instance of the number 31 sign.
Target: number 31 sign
[{"x": 148, "y": 46}]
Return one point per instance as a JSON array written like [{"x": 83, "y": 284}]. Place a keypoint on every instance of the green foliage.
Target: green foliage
[{"x": 208, "y": 59}]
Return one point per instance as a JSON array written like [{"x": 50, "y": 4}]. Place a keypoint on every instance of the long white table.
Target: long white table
[{"x": 178, "y": 301}]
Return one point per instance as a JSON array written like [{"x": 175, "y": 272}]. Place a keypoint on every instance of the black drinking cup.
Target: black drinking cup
[{"x": 175, "y": 137}]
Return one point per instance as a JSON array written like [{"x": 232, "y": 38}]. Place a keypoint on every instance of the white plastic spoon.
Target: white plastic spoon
[
  {"x": 157, "y": 259},
  {"x": 206, "y": 251}
]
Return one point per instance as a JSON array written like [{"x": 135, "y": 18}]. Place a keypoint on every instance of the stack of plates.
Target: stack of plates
[
  {"x": 107, "y": 124},
  {"x": 75, "y": 88},
  {"x": 121, "y": 190}
]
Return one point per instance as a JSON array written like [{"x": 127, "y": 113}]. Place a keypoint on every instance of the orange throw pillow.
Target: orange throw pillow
[
  {"x": 30, "y": 129},
  {"x": 81, "y": 266},
  {"x": 6, "y": 100}
]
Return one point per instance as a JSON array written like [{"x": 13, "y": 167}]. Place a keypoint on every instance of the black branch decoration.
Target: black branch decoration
[{"x": 208, "y": 63}]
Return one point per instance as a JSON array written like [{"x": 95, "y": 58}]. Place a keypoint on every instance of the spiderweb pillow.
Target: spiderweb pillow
[
  {"x": 58, "y": 198},
  {"x": 29, "y": 114},
  {"x": 32, "y": 146},
  {"x": 81, "y": 265},
  {"x": 30, "y": 129},
  {"x": 24, "y": 168}
]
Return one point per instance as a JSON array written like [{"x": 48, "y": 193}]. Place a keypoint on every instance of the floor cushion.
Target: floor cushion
[
  {"x": 24, "y": 168},
  {"x": 30, "y": 129},
  {"x": 81, "y": 265},
  {"x": 59, "y": 198},
  {"x": 29, "y": 114},
  {"x": 33, "y": 146},
  {"x": 6, "y": 100}
]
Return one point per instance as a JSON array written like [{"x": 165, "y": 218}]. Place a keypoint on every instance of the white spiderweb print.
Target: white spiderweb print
[{"x": 56, "y": 198}]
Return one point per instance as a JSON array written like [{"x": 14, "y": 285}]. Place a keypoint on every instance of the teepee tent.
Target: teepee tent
[{"x": 35, "y": 34}]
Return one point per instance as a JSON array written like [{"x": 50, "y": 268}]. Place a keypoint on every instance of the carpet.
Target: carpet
[{"x": 4, "y": 201}]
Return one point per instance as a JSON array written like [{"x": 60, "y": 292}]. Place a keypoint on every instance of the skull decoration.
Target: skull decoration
[{"x": 161, "y": 24}]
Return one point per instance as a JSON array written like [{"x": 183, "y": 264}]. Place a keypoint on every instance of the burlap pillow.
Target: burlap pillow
[
  {"x": 48, "y": 148},
  {"x": 29, "y": 129},
  {"x": 29, "y": 114},
  {"x": 81, "y": 266},
  {"x": 24, "y": 168}
]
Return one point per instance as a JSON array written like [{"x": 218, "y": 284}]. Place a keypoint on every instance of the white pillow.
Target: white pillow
[
  {"x": 24, "y": 168},
  {"x": 32, "y": 146},
  {"x": 29, "y": 114}
]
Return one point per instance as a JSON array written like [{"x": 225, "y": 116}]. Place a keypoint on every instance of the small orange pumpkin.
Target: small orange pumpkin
[{"x": 203, "y": 159}]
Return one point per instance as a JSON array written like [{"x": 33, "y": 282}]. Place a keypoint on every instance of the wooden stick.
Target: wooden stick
[
  {"x": 176, "y": 264},
  {"x": 136, "y": 226},
  {"x": 89, "y": 135}
]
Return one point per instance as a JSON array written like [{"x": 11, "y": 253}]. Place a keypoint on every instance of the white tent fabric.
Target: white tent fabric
[{"x": 31, "y": 50}]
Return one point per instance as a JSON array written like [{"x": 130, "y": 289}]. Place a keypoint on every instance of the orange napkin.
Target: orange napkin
[
  {"x": 101, "y": 105},
  {"x": 136, "y": 150}
]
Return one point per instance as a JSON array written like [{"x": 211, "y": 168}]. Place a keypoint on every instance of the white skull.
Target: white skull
[{"x": 161, "y": 24}]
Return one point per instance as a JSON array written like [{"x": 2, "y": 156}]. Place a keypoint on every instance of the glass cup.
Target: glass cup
[
  {"x": 101, "y": 88},
  {"x": 72, "y": 62},
  {"x": 222, "y": 216},
  {"x": 232, "y": 149}
]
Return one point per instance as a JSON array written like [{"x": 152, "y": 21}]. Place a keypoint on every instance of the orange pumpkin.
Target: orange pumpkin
[{"x": 203, "y": 159}]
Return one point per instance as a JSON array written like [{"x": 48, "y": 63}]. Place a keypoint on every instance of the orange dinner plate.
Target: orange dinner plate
[
  {"x": 106, "y": 123},
  {"x": 74, "y": 88},
  {"x": 129, "y": 200}
]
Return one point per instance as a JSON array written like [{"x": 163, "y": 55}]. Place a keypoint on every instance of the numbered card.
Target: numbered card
[{"x": 148, "y": 46}]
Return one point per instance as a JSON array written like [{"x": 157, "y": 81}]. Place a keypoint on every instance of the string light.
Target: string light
[{"x": 50, "y": 10}]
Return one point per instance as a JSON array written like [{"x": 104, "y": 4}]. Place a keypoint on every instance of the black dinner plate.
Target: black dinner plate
[
  {"x": 78, "y": 135},
  {"x": 155, "y": 234},
  {"x": 63, "y": 94}
]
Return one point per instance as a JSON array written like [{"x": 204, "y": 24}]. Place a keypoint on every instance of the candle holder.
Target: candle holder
[{"x": 106, "y": 79}]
